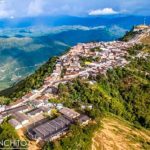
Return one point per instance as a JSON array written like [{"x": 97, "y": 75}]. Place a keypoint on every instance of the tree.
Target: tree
[{"x": 4, "y": 100}]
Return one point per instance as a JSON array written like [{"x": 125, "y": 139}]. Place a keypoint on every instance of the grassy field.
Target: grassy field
[
  {"x": 118, "y": 134},
  {"x": 146, "y": 40},
  {"x": 32, "y": 145}
]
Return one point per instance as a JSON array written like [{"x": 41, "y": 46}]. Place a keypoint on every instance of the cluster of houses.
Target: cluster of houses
[
  {"x": 28, "y": 112},
  {"x": 33, "y": 114},
  {"x": 141, "y": 32},
  {"x": 109, "y": 54},
  {"x": 39, "y": 127},
  {"x": 141, "y": 28},
  {"x": 68, "y": 66},
  {"x": 22, "y": 115}
]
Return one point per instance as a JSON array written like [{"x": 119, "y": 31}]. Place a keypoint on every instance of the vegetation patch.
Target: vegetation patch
[
  {"x": 77, "y": 139},
  {"x": 129, "y": 35},
  {"x": 119, "y": 134},
  {"x": 31, "y": 82},
  {"x": 9, "y": 138}
]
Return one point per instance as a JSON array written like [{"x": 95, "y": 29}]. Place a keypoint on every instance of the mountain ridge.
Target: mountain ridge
[{"x": 121, "y": 20}]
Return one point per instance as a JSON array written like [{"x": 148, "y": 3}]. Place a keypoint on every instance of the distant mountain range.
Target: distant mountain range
[{"x": 123, "y": 21}]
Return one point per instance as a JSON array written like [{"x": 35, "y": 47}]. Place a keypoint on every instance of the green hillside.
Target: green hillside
[
  {"x": 129, "y": 35},
  {"x": 31, "y": 82},
  {"x": 124, "y": 92}
]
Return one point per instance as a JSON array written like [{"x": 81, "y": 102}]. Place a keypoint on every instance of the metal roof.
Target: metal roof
[
  {"x": 69, "y": 112},
  {"x": 20, "y": 117},
  {"x": 51, "y": 127},
  {"x": 34, "y": 111},
  {"x": 16, "y": 109}
]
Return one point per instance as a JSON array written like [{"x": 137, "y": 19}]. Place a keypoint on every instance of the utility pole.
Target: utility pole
[{"x": 144, "y": 20}]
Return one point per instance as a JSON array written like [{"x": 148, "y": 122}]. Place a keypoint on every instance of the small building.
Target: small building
[
  {"x": 37, "y": 103},
  {"x": 34, "y": 112},
  {"x": 90, "y": 107},
  {"x": 59, "y": 106},
  {"x": 32, "y": 95},
  {"x": 83, "y": 107},
  {"x": 51, "y": 90},
  {"x": 15, "y": 123},
  {"x": 5, "y": 114},
  {"x": 86, "y": 107},
  {"x": 84, "y": 75},
  {"x": 17, "y": 103},
  {"x": 23, "y": 108},
  {"x": 43, "y": 98},
  {"x": 21, "y": 118},
  {"x": 83, "y": 119},
  {"x": 45, "y": 109},
  {"x": 2, "y": 108},
  {"x": 69, "y": 113},
  {"x": 48, "y": 104},
  {"x": 27, "y": 96}
]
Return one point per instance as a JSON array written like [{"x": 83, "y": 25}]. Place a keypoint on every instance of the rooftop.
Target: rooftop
[
  {"x": 20, "y": 117},
  {"x": 70, "y": 113},
  {"x": 16, "y": 109},
  {"x": 83, "y": 118},
  {"x": 34, "y": 111},
  {"x": 14, "y": 122}
]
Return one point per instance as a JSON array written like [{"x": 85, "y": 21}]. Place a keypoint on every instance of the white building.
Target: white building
[
  {"x": 15, "y": 123},
  {"x": 2, "y": 108}
]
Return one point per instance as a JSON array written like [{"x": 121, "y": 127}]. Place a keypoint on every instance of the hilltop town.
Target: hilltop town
[{"x": 83, "y": 60}]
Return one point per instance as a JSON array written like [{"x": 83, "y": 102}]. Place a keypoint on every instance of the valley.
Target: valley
[{"x": 24, "y": 50}]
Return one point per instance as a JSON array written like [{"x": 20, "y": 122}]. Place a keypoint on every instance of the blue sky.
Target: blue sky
[{"x": 24, "y": 8}]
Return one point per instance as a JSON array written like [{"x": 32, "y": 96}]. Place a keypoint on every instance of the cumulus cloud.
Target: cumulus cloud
[{"x": 105, "y": 11}]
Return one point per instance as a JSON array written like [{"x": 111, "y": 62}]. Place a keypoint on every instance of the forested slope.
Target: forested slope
[{"x": 124, "y": 92}]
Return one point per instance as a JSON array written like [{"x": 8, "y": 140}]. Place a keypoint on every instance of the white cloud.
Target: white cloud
[
  {"x": 35, "y": 7},
  {"x": 4, "y": 11},
  {"x": 105, "y": 11},
  {"x": 25, "y": 8}
]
